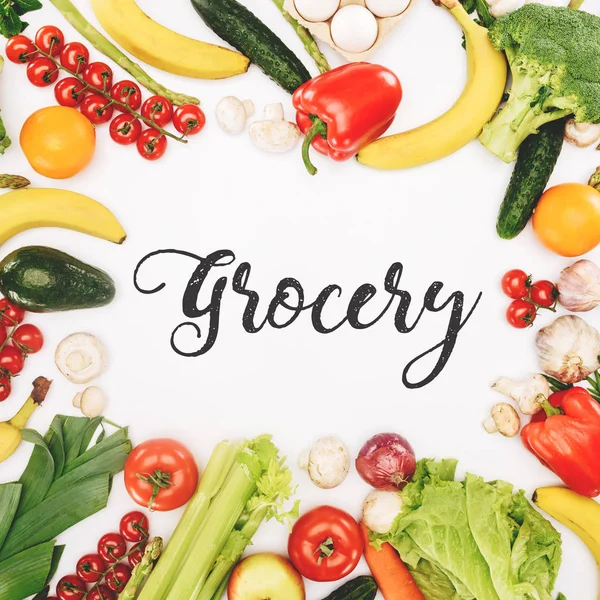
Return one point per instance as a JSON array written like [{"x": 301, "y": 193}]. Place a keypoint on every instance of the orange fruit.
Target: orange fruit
[
  {"x": 58, "y": 141},
  {"x": 567, "y": 219}
]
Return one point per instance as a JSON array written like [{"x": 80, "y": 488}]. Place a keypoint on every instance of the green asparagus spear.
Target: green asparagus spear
[{"x": 143, "y": 569}]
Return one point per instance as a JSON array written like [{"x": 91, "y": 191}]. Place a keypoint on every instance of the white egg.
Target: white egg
[
  {"x": 317, "y": 10},
  {"x": 387, "y": 8},
  {"x": 354, "y": 28}
]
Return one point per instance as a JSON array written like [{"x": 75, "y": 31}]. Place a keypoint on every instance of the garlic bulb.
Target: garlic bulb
[
  {"x": 579, "y": 286},
  {"x": 569, "y": 349}
]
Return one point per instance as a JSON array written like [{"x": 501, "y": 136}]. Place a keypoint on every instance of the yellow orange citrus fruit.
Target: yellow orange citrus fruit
[{"x": 58, "y": 141}]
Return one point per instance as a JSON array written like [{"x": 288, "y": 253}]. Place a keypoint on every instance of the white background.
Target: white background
[{"x": 345, "y": 226}]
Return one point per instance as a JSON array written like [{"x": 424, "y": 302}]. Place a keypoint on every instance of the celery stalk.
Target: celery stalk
[{"x": 185, "y": 533}]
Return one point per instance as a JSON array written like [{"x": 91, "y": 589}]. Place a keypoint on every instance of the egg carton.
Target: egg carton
[{"x": 322, "y": 30}]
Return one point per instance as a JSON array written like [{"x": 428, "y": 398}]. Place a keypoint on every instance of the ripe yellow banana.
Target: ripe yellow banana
[
  {"x": 165, "y": 49},
  {"x": 29, "y": 208},
  {"x": 10, "y": 431},
  {"x": 487, "y": 71}
]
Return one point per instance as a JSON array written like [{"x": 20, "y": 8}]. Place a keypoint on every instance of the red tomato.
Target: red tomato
[
  {"x": 20, "y": 49},
  {"x": 5, "y": 387},
  {"x": 91, "y": 568},
  {"x": 515, "y": 284},
  {"x": 69, "y": 92},
  {"x": 28, "y": 338},
  {"x": 135, "y": 557},
  {"x": 98, "y": 75},
  {"x": 543, "y": 293},
  {"x": 189, "y": 119},
  {"x": 42, "y": 72},
  {"x": 521, "y": 314},
  {"x": 161, "y": 474},
  {"x": 112, "y": 547},
  {"x": 50, "y": 39},
  {"x": 128, "y": 93},
  {"x": 151, "y": 144},
  {"x": 325, "y": 544},
  {"x": 11, "y": 360},
  {"x": 96, "y": 108},
  {"x": 134, "y": 526},
  {"x": 75, "y": 57},
  {"x": 116, "y": 579},
  {"x": 125, "y": 129},
  {"x": 71, "y": 587},
  {"x": 158, "y": 110},
  {"x": 102, "y": 592},
  {"x": 10, "y": 314}
]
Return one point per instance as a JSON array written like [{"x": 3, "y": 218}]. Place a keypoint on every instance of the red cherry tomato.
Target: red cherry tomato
[
  {"x": 102, "y": 592},
  {"x": 515, "y": 284},
  {"x": 521, "y": 314},
  {"x": 42, "y": 72},
  {"x": 116, "y": 579},
  {"x": 112, "y": 547},
  {"x": 10, "y": 314},
  {"x": 134, "y": 526},
  {"x": 5, "y": 387},
  {"x": 50, "y": 39},
  {"x": 158, "y": 110},
  {"x": 189, "y": 119},
  {"x": 137, "y": 552},
  {"x": 91, "y": 568},
  {"x": 97, "y": 109},
  {"x": 151, "y": 144},
  {"x": 11, "y": 360},
  {"x": 161, "y": 474},
  {"x": 20, "y": 49},
  {"x": 98, "y": 75},
  {"x": 71, "y": 587},
  {"x": 125, "y": 129},
  {"x": 28, "y": 339},
  {"x": 69, "y": 92},
  {"x": 75, "y": 57},
  {"x": 325, "y": 544},
  {"x": 128, "y": 93},
  {"x": 543, "y": 293}
]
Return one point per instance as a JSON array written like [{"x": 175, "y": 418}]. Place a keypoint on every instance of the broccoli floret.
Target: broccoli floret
[{"x": 554, "y": 56}]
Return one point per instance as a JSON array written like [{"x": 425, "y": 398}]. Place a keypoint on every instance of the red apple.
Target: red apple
[{"x": 265, "y": 576}]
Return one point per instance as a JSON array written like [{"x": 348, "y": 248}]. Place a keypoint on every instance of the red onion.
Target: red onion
[{"x": 387, "y": 462}]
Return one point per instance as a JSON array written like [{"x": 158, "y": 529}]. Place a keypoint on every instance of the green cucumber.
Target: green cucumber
[
  {"x": 242, "y": 29},
  {"x": 41, "y": 279},
  {"x": 361, "y": 588},
  {"x": 537, "y": 158}
]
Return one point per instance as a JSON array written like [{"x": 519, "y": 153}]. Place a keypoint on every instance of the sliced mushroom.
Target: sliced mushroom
[
  {"x": 582, "y": 135},
  {"x": 80, "y": 357}
]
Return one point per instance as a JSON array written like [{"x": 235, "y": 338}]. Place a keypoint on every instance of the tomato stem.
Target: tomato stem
[
  {"x": 160, "y": 480},
  {"x": 325, "y": 550}
]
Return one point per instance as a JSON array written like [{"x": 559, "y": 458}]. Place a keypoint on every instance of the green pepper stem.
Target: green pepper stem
[
  {"x": 318, "y": 128},
  {"x": 551, "y": 411}
]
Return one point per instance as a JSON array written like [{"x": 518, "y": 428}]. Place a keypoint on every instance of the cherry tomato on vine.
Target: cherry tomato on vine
[
  {"x": 97, "y": 109},
  {"x": 50, "y": 39},
  {"x": 69, "y": 92},
  {"x": 152, "y": 144},
  {"x": 3, "y": 334},
  {"x": 6, "y": 388},
  {"x": 20, "y": 49},
  {"x": 98, "y": 75},
  {"x": 10, "y": 314},
  {"x": 90, "y": 568},
  {"x": 112, "y": 547},
  {"x": 116, "y": 579},
  {"x": 326, "y": 544},
  {"x": 127, "y": 92},
  {"x": 125, "y": 129},
  {"x": 189, "y": 119},
  {"x": 543, "y": 293},
  {"x": 102, "y": 592},
  {"x": 516, "y": 283},
  {"x": 521, "y": 314},
  {"x": 134, "y": 526},
  {"x": 71, "y": 587},
  {"x": 158, "y": 110},
  {"x": 28, "y": 338},
  {"x": 42, "y": 72},
  {"x": 137, "y": 552},
  {"x": 11, "y": 360},
  {"x": 75, "y": 57}
]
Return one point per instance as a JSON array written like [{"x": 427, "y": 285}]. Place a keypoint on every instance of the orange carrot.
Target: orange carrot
[{"x": 391, "y": 574}]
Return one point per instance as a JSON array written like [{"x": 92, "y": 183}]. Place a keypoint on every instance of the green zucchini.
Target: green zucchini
[
  {"x": 41, "y": 279},
  {"x": 537, "y": 158},
  {"x": 361, "y": 588},
  {"x": 242, "y": 29}
]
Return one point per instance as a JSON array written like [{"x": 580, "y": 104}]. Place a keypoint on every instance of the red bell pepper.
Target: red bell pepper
[
  {"x": 568, "y": 441},
  {"x": 343, "y": 110}
]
